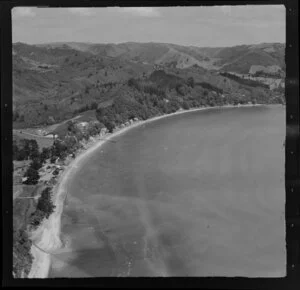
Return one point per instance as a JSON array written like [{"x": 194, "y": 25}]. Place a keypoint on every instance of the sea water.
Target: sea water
[{"x": 196, "y": 194}]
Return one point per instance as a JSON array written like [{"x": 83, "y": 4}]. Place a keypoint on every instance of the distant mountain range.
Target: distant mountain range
[
  {"x": 237, "y": 59},
  {"x": 57, "y": 79}
]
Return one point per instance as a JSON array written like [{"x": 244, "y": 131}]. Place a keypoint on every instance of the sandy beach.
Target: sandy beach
[{"x": 46, "y": 239}]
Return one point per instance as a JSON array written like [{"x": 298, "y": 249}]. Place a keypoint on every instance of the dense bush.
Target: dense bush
[
  {"x": 243, "y": 81},
  {"x": 59, "y": 150},
  {"x": 164, "y": 93},
  {"x": 22, "y": 258},
  {"x": 277, "y": 75},
  {"x": 209, "y": 86},
  {"x": 44, "y": 208},
  {"x": 191, "y": 82},
  {"x": 36, "y": 164},
  {"x": 32, "y": 176},
  {"x": 122, "y": 110},
  {"x": 45, "y": 203},
  {"x": 26, "y": 149},
  {"x": 45, "y": 154},
  {"x": 185, "y": 105}
]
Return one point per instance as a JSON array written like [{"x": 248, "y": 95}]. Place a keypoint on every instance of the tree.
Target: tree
[
  {"x": 22, "y": 257},
  {"x": 110, "y": 126},
  {"x": 36, "y": 164},
  {"x": 45, "y": 203},
  {"x": 36, "y": 218},
  {"x": 32, "y": 176},
  {"x": 44, "y": 208},
  {"x": 185, "y": 105},
  {"x": 31, "y": 148},
  {"x": 190, "y": 82},
  {"x": 71, "y": 127},
  {"x": 58, "y": 150},
  {"x": 53, "y": 159},
  {"x": 93, "y": 106},
  {"x": 27, "y": 149},
  {"x": 133, "y": 83},
  {"x": 100, "y": 112},
  {"x": 46, "y": 153},
  {"x": 70, "y": 142}
]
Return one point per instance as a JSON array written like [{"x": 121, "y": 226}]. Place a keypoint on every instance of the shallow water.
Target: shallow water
[{"x": 197, "y": 194}]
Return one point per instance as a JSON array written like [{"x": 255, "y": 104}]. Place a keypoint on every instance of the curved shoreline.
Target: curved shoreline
[{"x": 47, "y": 236}]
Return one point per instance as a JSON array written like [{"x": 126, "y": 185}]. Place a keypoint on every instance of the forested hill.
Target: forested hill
[{"x": 55, "y": 82}]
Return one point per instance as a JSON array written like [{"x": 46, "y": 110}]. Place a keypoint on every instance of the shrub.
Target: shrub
[
  {"x": 32, "y": 176},
  {"x": 110, "y": 126},
  {"x": 22, "y": 257},
  {"x": 190, "y": 82},
  {"x": 36, "y": 164},
  {"x": 46, "y": 153},
  {"x": 45, "y": 203},
  {"x": 185, "y": 105},
  {"x": 93, "y": 106}
]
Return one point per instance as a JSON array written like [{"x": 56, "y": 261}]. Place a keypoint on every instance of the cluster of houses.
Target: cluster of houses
[
  {"x": 44, "y": 133},
  {"x": 131, "y": 121},
  {"x": 49, "y": 172},
  {"x": 158, "y": 67},
  {"x": 83, "y": 126}
]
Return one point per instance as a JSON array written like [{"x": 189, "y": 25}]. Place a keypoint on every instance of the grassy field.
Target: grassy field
[
  {"x": 42, "y": 141},
  {"x": 61, "y": 129}
]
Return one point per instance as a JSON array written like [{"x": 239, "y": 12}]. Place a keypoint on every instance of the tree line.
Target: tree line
[
  {"x": 243, "y": 81},
  {"x": 171, "y": 93},
  {"x": 44, "y": 208}
]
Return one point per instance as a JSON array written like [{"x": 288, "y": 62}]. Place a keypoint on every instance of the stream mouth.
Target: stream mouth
[{"x": 198, "y": 194}]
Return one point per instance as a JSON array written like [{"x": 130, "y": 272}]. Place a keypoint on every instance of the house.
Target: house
[
  {"x": 42, "y": 132},
  {"x": 103, "y": 131},
  {"x": 51, "y": 136},
  {"x": 82, "y": 126},
  {"x": 158, "y": 67}
]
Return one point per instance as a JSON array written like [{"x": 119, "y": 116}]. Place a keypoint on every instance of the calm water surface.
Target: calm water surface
[{"x": 195, "y": 194}]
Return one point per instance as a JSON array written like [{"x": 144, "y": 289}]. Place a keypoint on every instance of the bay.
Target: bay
[{"x": 196, "y": 194}]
